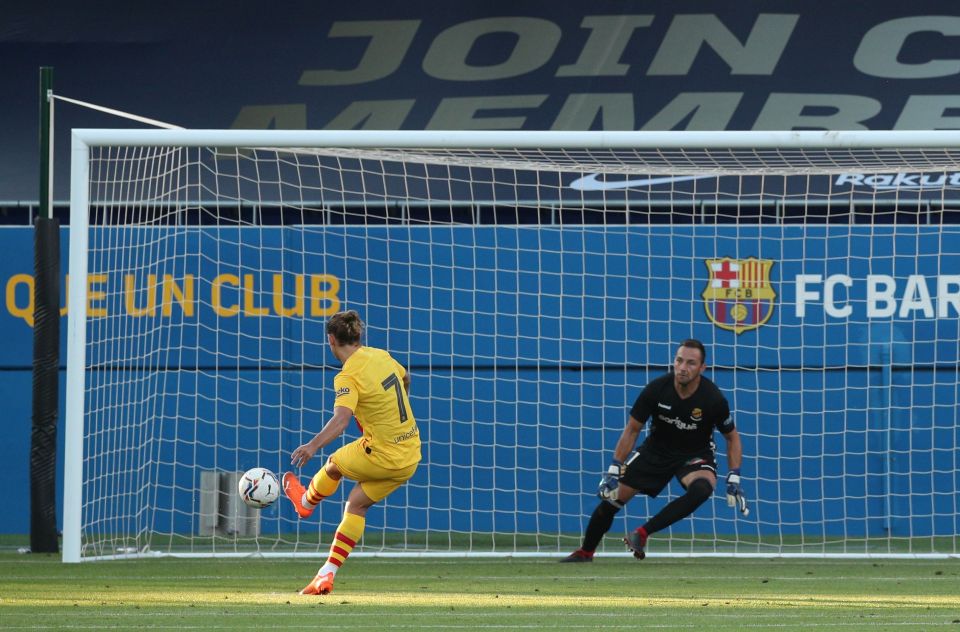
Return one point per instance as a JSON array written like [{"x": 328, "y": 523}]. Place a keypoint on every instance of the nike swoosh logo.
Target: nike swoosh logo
[
  {"x": 664, "y": 406},
  {"x": 592, "y": 182}
]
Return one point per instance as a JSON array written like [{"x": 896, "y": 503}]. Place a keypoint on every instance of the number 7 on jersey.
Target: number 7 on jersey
[{"x": 394, "y": 382}]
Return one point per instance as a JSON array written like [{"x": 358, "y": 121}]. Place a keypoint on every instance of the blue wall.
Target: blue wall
[{"x": 527, "y": 347}]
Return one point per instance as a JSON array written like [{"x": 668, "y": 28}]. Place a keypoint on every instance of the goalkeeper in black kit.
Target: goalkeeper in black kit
[{"x": 686, "y": 407}]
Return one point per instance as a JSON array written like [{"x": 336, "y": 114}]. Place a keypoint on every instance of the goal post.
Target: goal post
[{"x": 532, "y": 283}]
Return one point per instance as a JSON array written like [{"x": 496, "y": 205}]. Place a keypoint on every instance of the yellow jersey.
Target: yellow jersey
[{"x": 371, "y": 385}]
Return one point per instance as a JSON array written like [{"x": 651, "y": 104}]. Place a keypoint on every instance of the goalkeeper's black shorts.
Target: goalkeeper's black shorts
[{"x": 649, "y": 469}]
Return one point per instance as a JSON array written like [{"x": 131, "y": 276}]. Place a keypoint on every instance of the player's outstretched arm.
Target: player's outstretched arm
[
  {"x": 610, "y": 481},
  {"x": 628, "y": 439},
  {"x": 735, "y": 497},
  {"x": 330, "y": 431}
]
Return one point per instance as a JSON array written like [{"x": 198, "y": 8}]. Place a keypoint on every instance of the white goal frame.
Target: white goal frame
[{"x": 84, "y": 139}]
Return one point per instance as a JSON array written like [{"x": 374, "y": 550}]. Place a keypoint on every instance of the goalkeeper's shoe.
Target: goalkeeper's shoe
[
  {"x": 579, "y": 556},
  {"x": 321, "y": 585},
  {"x": 636, "y": 541},
  {"x": 295, "y": 491}
]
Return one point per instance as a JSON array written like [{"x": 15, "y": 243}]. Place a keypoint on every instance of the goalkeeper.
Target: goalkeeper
[
  {"x": 373, "y": 387},
  {"x": 686, "y": 407}
]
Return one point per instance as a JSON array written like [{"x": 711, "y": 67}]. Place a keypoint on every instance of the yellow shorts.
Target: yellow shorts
[{"x": 377, "y": 482}]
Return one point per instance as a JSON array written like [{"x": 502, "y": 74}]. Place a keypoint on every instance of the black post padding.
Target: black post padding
[{"x": 46, "y": 386}]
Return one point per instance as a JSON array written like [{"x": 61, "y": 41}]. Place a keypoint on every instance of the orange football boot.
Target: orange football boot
[
  {"x": 321, "y": 585},
  {"x": 294, "y": 491}
]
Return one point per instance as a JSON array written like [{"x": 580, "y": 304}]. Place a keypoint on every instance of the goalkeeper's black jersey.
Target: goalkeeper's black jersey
[{"x": 682, "y": 426}]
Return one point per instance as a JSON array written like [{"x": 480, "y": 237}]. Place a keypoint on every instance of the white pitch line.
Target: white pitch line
[
  {"x": 660, "y": 577},
  {"x": 465, "y": 612},
  {"x": 468, "y": 626}
]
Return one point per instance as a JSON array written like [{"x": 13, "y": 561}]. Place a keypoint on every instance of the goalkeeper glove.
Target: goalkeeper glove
[
  {"x": 735, "y": 496},
  {"x": 610, "y": 481}
]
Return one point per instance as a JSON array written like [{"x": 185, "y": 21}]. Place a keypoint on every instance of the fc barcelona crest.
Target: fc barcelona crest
[{"x": 739, "y": 295}]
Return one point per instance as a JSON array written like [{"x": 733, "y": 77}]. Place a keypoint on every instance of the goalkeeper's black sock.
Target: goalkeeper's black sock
[
  {"x": 697, "y": 493},
  {"x": 600, "y": 522}
]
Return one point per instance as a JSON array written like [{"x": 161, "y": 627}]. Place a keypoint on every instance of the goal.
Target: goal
[{"x": 532, "y": 283}]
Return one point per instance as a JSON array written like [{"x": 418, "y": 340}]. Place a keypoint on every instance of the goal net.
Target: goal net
[{"x": 532, "y": 284}]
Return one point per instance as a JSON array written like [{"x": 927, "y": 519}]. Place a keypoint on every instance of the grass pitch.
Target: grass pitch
[{"x": 38, "y": 592}]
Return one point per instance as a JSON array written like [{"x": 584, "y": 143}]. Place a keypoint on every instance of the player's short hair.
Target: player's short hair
[
  {"x": 346, "y": 327},
  {"x": 693, "y": 343}
]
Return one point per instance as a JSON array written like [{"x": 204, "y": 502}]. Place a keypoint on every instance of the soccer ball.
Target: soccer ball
[{"x": 259, "y": 487}]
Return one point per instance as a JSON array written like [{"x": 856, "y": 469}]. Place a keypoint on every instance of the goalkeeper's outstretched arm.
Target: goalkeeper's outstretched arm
[
  {"x": 734, "y": 450},
  {"x": 628, "y": 439},
  {"x": 735, "y": 495},
  {"x": 610, "y": 481}
]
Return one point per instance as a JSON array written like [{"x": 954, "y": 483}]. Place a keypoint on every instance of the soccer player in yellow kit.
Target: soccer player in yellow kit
[{"x": 373, "y": 387}]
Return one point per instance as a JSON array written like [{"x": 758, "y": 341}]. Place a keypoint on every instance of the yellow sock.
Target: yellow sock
[
  {"x": 320, "y": 487},
  {"x": 348, "y": 534}
]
